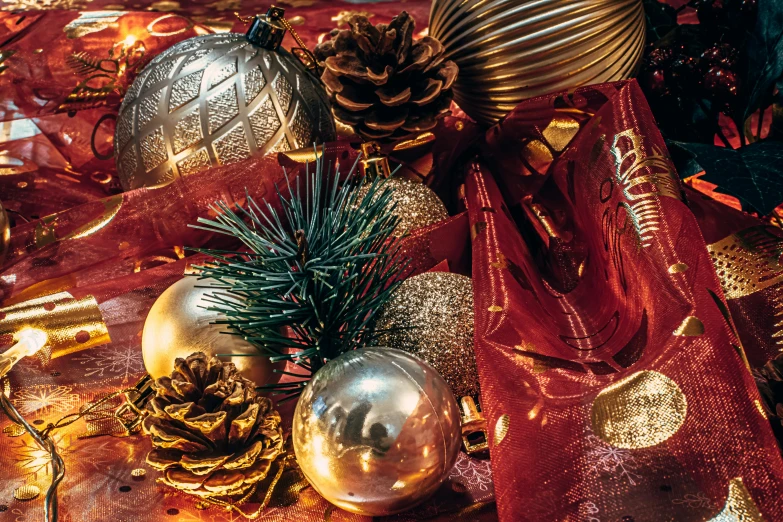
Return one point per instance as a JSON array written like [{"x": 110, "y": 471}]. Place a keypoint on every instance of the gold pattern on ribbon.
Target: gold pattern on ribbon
[
  {"x": 538, "y": 156},
  {"x": 748, "y": 261},
  {"x": 502, "y": 426},
  {"x": 740, "y": 506},
  {"x": 91, "y": 22},
  {"x": 639, "y": 411},
  {"x": 643, "y": 179},
  {"x": 690, "y": 327},
  {"x": 46, "y": 229},
  {"x": 560, "y": 131},
  {"x": 71, "y": 324},
  {"x": 678, "y": 268}
]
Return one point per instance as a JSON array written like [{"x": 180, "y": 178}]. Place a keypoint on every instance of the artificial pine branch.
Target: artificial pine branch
[{"x": 314, "y": 274}]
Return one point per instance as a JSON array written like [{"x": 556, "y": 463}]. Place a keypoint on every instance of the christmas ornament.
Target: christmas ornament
[
  {"x": 415, "y": 204},
  {"x": 381, "y": 82},
  {"x": 431, "y": 316},
  {"x": 179, "y": 324},
  {"x": 376, "y": 431},
  {"x": 316, "y": 273},
  {"x": 218, "y": 99},
  {"x": 511, "y": 51},
  {"x": 5, "y": 234},
  {"x": 212, "y": 435}
]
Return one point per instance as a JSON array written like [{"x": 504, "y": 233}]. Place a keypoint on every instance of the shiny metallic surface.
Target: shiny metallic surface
[
  {"x": 178, "y": 325},
  {"x": 376, "y": 431},
  {"x": 508, "y": 51},
  {"x": 214, "y": 100},
  {"x": 5, "y": 234}
]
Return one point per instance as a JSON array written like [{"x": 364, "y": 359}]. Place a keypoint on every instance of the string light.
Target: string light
[{"x": 31, "y": 340}]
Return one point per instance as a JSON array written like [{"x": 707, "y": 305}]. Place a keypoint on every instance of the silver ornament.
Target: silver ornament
[
  {"x": 431, "y": 316},
  {"x": 510, "y": 51},
  {"x": 178, "y": 325},
  {"x": 376, "y": 431},
  {"x": 214, "y": 100}
]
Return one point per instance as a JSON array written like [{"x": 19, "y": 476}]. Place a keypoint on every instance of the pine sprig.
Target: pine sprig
[{"x": 315, "y": 273}]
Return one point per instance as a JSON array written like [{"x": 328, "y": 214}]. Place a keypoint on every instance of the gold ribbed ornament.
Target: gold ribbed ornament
[
  {"x": 510, "y": 51},
  {"x": 214, "y": 100}
]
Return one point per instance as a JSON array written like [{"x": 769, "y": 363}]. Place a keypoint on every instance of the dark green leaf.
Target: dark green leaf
[
  {"x": 764, "y": 53},
  {"x": 752, "y": 173}
]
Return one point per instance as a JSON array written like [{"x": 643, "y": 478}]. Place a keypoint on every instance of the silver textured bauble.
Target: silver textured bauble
[
  {"x": 431, "y": 316},
  {"x": 376, "y": 431},
  {"x": 214, "y": 100},
  {"x": 178, "y": 325},
  {"x": 510, "y": 51}
]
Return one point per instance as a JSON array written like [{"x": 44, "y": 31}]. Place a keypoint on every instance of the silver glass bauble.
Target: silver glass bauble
[
  {"x": 376, "y": 431},
  {"x": 178, "y": 325},
  {"x": 214, "y": 100},
  {"x": 510, "y": 51}
]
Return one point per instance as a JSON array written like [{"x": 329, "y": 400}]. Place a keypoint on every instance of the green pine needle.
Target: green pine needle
[{"x": 314, "y": 274}]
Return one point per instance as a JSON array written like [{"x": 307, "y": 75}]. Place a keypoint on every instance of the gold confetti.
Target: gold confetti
[
  {"x": 27, "y": 492},
  {"x": 495, "y": 308},
  {"x": 678, "y": 268}
]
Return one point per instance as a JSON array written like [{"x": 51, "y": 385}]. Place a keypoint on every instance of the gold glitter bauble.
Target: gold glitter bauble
[
  {"x": 417, "y": 205},
  {"x": 214, "y": 100},
  {"x": 510, "y": 51},
  {"x": 5, "y": 233},
  {"x": 178, "y": 326},
  {"x": 431, "y": 316},
  {"x": 376, "y": 431}
]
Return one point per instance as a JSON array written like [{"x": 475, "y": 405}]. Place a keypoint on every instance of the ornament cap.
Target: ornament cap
[
  {"x": 375, "y": 164},
  {"x": 267, "y": 30},
  {"x": 474, "y": 427}
]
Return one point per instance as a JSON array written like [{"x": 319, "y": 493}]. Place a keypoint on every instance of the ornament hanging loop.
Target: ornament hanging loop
[{"x": 268, "y": 31}]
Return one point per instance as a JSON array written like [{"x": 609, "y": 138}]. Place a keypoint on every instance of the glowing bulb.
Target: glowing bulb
[
  {"x": 130, "y": 40},
  {"x": 31, "y": 340}
]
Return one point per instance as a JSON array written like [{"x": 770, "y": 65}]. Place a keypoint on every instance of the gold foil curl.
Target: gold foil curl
[
  {"x": 71, "y": 324},
  {"x": 639, "y": 411}
]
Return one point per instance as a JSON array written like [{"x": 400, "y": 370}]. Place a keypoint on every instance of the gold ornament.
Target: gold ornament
[
  {"x": 510, "y": 51},
  {"x": 213, "y": 436},
  {"x": 376, "y": 431},
  {"x": 417, "y": 205},
  {"x": 178, "y": 325},
  {"x": 5, "y": 234},
  {"x": 431, "y": 316},
  {"x": 214, "y": 100}
]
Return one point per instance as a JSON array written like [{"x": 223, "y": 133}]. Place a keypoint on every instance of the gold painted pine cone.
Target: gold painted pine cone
[
  {"x": 212, "y": 434},
  {"x": 382, "y": 83}
]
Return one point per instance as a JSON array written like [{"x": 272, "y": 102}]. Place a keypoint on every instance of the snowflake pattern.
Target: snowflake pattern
[
  {"x": 695, "y": 501},
  {"x": 45, "y": 399},
  {"x": 125, "y": 361},
  {"x": 589, "y": 512},
  {"x": 472, "y": 472},
  {"x": 603, "y": 458}
]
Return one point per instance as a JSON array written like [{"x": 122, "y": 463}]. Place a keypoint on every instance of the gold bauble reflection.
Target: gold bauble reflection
[
  {"x": 376, "y": 431},
  {"x": 417, "y": 205},
  {"x": 177, "y": 326},
  {"x": 511, "y": 51},
  {"x": 639, "y": 411},
  {"x": 431, "y": 316},
  {"x": 5, "y": 234}
]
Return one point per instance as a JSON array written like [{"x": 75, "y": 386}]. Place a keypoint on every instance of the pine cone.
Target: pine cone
[
  {"x": 212, "y": 434},
  {"x": 383, "y": 83},
  {"x": 769, "y": 379}
]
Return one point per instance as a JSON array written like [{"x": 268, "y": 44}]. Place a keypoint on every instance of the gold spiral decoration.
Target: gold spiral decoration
[{"x": 510, "y": 51}]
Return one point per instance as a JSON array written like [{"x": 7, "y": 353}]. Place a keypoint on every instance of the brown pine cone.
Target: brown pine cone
[
  {"x": 212, "y": 434},
  {"x": 383, "y": 83},
  {"x": 769, "y": 379}
]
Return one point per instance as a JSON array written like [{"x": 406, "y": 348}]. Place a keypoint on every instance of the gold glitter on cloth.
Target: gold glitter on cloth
[
  {"x": 747, "y": 262},
  {"x": 138, "y": 473},
  {"x": 678, "y": 268},
  {"x": 417, "y": 205},
  {"x": 690, "y": 327},
  {"x": 27, "y": 492},
  {"x": 431, "y": 316},
  {"x": 739, "y": 505},
  {"x": 642, "y": 410},
  {"x": 501, "y": 428}
]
